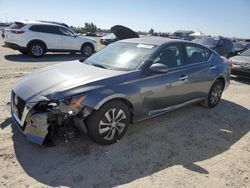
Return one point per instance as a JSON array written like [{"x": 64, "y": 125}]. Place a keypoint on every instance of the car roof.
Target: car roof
[
  {"x": 152, "y": 40},
  {"x": 37, "y": 23}
]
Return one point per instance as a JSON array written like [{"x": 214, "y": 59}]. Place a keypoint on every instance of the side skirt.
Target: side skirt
[{"x": 157, "y": 112}]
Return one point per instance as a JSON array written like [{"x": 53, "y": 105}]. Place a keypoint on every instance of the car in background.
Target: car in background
[
  {"x": 223, "y": 46},
  {"x": 125, "y": 82},
  {"x": 91, "y": 34},
  {"x": 241, "y": 64},
  {"x": 119, "y": 32},
  {"x": 239, "y": 47},
  {"x": 108, "y": 39},
  {"x": 38, "y": 37}
]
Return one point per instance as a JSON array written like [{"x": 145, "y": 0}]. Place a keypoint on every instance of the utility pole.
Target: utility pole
[{"x": 6, "y": 17}]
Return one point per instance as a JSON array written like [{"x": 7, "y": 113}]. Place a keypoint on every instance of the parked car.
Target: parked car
[
  {"x": 90, "y": 34},
  {"x": 239, "y": 47},
  {"x": 241, "y": 64},
  {"x": 119, "y": 32},
  {"x": 223, "y": 46},
  {"x": 108, "y": 39},
  {"x": 126, "y": 82},
  {"x": 36, "y": 38}
]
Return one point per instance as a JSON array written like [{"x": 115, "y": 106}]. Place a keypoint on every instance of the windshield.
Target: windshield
[
  {"x": 245, "y": 53},
  {"x": 121, "y": 56},
  {"x": 207, "y": 41}
]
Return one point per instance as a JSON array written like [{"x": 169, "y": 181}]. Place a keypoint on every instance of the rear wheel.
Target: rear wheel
[
  {"x": 109, "y": 123},
  {"x": 214, "y": 95},
  {"x": 36, "y": 49},
  {"x": 87, "y": 50}
]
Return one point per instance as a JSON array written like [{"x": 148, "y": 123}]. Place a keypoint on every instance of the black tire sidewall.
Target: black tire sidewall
[
  {"x": 215, "y": 84},
  {"x": 94, "y": 119},
  {"x": 84, "y": 46}
]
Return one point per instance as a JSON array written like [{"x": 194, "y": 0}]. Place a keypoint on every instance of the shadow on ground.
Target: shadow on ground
[
  {"x": 181, "y": 137},
  {"x": 50, "y": 57}
]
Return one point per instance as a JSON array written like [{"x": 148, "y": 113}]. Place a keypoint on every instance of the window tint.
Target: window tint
[
  {"x": 170, "y": 56},
  {"x": 196, "y": 54},
  {"x": 45, "y": 29},
  {"x": 66, "y": 32}
]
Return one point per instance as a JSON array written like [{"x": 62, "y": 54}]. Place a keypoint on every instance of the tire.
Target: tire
[
  {"x": 36, "y": 49},
  {"x": 100, "y": 126},
  {"x": 23, "y": 51},
  {"x": 214, "y": 95},
  {"x": 87, "y": 50}
]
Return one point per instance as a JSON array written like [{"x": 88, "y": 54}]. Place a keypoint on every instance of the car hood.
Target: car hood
[
  {"x": 122, "y": 32},
  {"x": 240, "y": 59},
  {"x": 58, "y": 80}
]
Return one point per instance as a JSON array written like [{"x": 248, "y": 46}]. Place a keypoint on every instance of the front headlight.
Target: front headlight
[{"x": 72, "y": 105}]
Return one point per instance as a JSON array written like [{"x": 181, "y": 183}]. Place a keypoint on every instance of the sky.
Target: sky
[{"x": 230, "y": 18}]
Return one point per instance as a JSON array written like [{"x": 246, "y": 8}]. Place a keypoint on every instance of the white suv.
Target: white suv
[{"x": 38, "y": 37}]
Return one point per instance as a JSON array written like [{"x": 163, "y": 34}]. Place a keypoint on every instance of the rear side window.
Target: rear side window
[
  {"x": 196, "y": 54},
  {"x": 171, "y": 56},
  {"x": 45, "y": 29},
  {"x": 16, "y": 25}
]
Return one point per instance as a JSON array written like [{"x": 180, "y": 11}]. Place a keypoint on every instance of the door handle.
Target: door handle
[
  {"x": 212, "y": 67},
  {"x": 183, "y": 77}
]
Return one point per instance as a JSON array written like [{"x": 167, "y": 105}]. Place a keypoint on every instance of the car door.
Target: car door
[
  {"x": 160, "y": 91},
  {"x": 47, "y": 33},
  {"x": 200, "y": 70},
  {"x": 69, "y": 39}
]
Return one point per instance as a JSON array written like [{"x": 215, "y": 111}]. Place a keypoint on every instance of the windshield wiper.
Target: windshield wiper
[{"x": 98, "y": 65}]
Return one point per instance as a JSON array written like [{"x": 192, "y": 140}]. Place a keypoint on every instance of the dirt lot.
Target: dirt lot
[{"x": 189, "y": 147}]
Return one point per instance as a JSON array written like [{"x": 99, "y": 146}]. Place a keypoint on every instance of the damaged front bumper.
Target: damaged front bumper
[{"x": 35, "y": 124}]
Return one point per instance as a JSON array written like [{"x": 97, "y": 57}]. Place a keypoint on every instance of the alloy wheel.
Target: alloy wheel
[{"x": 112, "y": 123}]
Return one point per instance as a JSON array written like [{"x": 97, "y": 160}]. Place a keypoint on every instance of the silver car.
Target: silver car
[{"x": 127, "y": 81}]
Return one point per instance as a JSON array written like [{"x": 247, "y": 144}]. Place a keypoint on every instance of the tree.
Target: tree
[
  {"x": 151, "y": 31},
  {"x": 90, "y": 27}
]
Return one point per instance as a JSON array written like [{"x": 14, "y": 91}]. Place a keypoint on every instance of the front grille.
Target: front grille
[{"x": 18, "y": 105}]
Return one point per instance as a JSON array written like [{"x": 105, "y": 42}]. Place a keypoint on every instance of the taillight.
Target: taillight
[{"x": 16, "y": 31}]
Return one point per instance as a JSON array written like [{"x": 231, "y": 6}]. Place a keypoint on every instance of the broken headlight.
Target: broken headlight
[{"x": 71, "y": 105}]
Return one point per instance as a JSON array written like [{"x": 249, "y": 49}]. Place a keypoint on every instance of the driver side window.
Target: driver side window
[
  {"x": 65, "y": 32},
  {"x": 170, "y": 56}
]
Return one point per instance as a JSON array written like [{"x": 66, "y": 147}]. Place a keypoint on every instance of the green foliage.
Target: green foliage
[
  {"x": 90, "y": 27},
  {"x": 151, "y": 31}
]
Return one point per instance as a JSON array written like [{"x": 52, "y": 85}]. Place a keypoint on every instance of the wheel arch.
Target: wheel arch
[
  {"x": 120, "y": 98},
  {"x": 38, "y": 41},
  {"x": 222, "y": 79}
]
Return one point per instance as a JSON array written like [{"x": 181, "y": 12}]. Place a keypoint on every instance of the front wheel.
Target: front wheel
[
  {"x": 214, "y": 95},
  {"x": 109, "y": 123}
]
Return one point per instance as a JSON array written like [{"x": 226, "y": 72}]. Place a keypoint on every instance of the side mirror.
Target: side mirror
[{"x": 158, "y": 68}]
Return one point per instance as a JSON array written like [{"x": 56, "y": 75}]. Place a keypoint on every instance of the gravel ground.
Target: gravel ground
[{"x": 188, "y": 147}]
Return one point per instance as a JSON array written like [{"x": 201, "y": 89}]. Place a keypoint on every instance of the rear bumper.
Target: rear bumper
[{"x": 13, "y": 46}]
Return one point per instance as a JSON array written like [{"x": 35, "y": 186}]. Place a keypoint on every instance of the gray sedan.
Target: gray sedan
[
  {"x": 241, "y": 64},
  {"x": 126, "y": 82}
]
